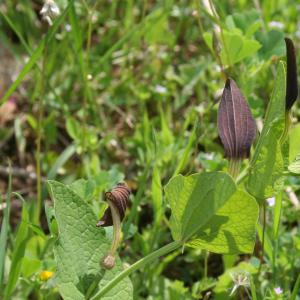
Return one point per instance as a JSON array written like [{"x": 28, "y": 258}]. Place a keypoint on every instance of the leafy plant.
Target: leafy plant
[{"x": 117, "y": 102}]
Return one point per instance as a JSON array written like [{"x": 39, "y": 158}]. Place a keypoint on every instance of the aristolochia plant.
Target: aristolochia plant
[
  {"x": 236, "y": 125},
  {"x": 210, "y": 210}
]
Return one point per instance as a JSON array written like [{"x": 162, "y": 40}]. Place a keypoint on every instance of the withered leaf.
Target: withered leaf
[
  {"x": 291, "y": 74},
  {"x": 236, "y": 125}
]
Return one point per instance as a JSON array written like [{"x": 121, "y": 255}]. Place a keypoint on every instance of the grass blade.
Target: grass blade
[
  {"x": 35, "y": 55},
  {"x": 296, "y": 288},
  {"x": 187, "y": 151},
  {"x": 18, "y": 253},
  {"x": 61, "y": 160},
  {"x": 29, "y": 51},
  {"x": 4, "y": 230},
  {"x": 267, "y": 244},
  {"x": 253, "y": 289}
]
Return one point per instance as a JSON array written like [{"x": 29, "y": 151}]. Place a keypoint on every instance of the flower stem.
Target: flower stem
[
  {"x": 286, "y": 127},
  {"x": 116, "y": 227},
  {"x": 136, "y": 266},
  {"x": 234, "y": 167},
  {"x": 39, "y": 140},
  {"x": 263, "y": 238}
]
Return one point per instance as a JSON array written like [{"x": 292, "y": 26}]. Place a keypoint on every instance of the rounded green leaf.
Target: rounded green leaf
[{"x": 208, "y": 212}]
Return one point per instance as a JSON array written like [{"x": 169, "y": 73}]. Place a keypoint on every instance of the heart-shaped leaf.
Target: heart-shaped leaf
[
  {"x": 209, "y": 213},
  {"x": 80, "y": 248}
]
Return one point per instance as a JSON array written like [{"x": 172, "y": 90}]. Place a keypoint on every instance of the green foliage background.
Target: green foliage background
[{"x": 129, "y": 90}]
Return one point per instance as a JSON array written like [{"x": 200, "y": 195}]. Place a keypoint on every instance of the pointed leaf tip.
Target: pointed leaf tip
[
  {"x": 236, "y": 124},
  {"x": 291, "y": 74}
]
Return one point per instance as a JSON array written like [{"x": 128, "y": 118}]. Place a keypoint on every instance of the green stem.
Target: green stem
[
  {"x": 136, "y": 266},
  {"x": 206, "y": 264},
  {"x": 234, "y": 167},
  {"x": 242, "y": 175},
  {"x": 213, "y": 51},
  {"x": 286, "y": 127},
  {"x": 276, "y": 225},
  {"x": 263, "y": 237},
  {"x": 213, "y": 9},
  {"x": 39, "y": 139}
]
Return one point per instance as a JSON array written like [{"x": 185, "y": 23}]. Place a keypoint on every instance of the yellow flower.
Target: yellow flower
[{"x": 46, "y": 275}]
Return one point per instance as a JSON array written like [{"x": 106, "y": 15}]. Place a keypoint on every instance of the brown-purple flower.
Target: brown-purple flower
[
  {"x": 236, "y": 124},
  {"x": 291, "y": 74},
  {"x": 117, "y": 200}
]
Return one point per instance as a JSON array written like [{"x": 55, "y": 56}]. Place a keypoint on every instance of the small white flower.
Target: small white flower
[
  {"x": 278, "y": 290},
  {"x": 89, "y": 77},
  {"x": 276, "y": 24},
  {"x": 160, "y": 89},
  {"x": 208, "y": 156},
  {"x": 68, "y": 27},
  {"x": 49, "y": 11},
  {"x": 239, "y": 278},
  {"x": 271, "y": 201}
]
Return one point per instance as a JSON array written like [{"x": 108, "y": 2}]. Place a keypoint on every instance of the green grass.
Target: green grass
[{"x": 129, "y": 90}]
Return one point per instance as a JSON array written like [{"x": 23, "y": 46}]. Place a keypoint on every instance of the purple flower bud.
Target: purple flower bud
[
  {"x": 291, "y": 74},
  {"x": 236, "y": 125}
]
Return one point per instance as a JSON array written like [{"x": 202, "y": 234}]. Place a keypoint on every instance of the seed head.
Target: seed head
[
  {"x": 240, "y": 278},
  {"x": 49, "y": 11}
]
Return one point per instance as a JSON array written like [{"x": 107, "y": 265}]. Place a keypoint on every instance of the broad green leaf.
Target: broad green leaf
[
  {"x": 267, "y": 164},
  {"x": 83, "y": 188},
  {"x": 248, "y": 21},
  {"x": 294, "y": 140},
  {"x": 272, "y": 44},
  {"x": 294, "y": 167},
  {"x": 209, "y": 213},
  {"x": 30, "y": 266},
  {"x": 237, "y": 47},
  {"x": 231, "y": 229},
  {"x": 195, "y": 199},
  {"x": 80, "y": 248}
]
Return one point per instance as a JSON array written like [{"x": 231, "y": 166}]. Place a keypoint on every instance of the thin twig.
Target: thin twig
[
  {"x": 293, "y": 197},
  {"x": 19, "y": 172}
]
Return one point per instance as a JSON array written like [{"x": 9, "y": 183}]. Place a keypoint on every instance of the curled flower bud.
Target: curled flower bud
[
  {"x": 236, "y": 125},
  {"x": 119, "y": 196},
  {"x": 291, "y": 74},
  {"x": 117, "y": 200}
]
